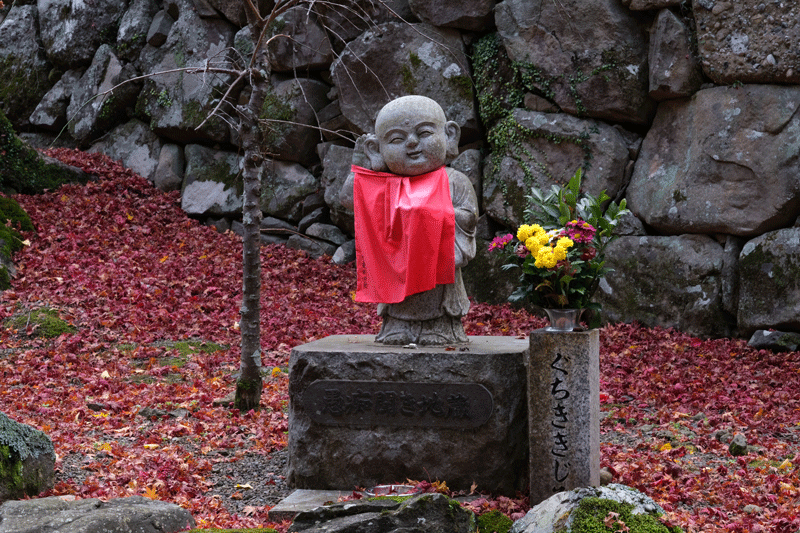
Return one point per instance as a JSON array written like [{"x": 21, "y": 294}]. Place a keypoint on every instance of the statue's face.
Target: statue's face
[{"x": 412, "y": 136}]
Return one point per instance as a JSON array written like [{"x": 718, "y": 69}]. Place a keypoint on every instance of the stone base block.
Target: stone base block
[{"x": 363, "y": 414}]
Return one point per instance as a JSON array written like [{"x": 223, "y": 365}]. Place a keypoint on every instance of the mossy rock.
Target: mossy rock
[
  {"x": 12, "y": 219},
  {"x": 23, "y": 170},
  {"x": 44, "y": 322},
  {"x": 591, "y": 514},
  {"x": 494, "y": 522},
  {"x": 27, "y": 460}
]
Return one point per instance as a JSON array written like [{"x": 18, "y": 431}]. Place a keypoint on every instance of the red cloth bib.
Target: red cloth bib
[{"x": 405, "y": 234}]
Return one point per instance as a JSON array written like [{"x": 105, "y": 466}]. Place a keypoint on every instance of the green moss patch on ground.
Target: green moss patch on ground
[{"x": 43, "y": 322}]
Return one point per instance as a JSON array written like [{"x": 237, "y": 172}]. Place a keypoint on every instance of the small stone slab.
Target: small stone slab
[
  {"x": 420, "y": 512},
  {"x": 135, "y": 514},
  {"x": 303, "y": 500}
]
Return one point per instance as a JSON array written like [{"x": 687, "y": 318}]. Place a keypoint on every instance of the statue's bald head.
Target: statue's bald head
[
  {"x": 407, "y": 108},
  {"x": 412, "y": 137}
]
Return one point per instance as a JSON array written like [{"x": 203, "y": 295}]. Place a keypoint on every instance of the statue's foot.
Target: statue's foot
[
  {"x": 395, "y": 339},
  {"x": 397, "y": 332},
  {"x": 442, "y": 331}
]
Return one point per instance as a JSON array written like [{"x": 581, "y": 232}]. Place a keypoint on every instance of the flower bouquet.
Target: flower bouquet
[{"x": 561, "y": 254}]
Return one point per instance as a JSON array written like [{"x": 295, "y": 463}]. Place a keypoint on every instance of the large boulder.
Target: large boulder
[
  {"x": 212, "y": 185},
  {"x": 133, "y": 28},
  {"x": 347, "y": 19},
  {"x": 24, "y": 170},
  {"x": 336, "y": 170},
  {"x": 134, "y": 145},
  {"x": 646, "y": 5},
  {"x": 535, "y": 149},
  {"x": 302, "y": 43},
  {"x": 769, "y": 282},
  {"x": 682, "y": 282},
  {"x": 748, "y": 40},
  {"x": 724, "y": 161},
  {"x": 586, "y": 509},
  {"x": 590, "y": 57},
  {"x": 93, "y": 106},
  {"x": 27, "y": 461},
  {"x": 422, "y": 512},
  {"x": 51, "y": 112},
  {"x": 289, "y": 119},
  {"x": 284, "y": 186},
  {"x": 24, "y": 68},
  {"x": 176, "y": 102},
  {"x": 475, "y": 15},
  {"x": 169, "y": 170},
  {"x": 72, "y": 31},
  {"x": 395, "y": 59},
  {"x": 674, "y": 66},
  {"x": 135, "y": 514}
]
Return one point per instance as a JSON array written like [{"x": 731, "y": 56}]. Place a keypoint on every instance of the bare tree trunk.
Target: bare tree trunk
[
  {"x": 248, "y": 386},
  {"x": 249, "y": 383}
]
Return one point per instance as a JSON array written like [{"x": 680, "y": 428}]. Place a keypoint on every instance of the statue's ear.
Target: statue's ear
[
  {"x": 453, "y": 132},
  {"x": 373, "y": 150}
]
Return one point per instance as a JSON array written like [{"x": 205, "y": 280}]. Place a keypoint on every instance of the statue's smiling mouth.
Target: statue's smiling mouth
[{"x": 415, "y": 154}]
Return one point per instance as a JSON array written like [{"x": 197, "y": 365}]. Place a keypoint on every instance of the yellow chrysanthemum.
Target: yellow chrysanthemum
[
  {"x": 560, "y": 253},
  {"x": 544, "y": 238},
  {"x": 545, "y": 258},
  {"x": 565, "y": 243},
  {"x": 524, "y": 232},
  {"x": 533, "y": 245}
]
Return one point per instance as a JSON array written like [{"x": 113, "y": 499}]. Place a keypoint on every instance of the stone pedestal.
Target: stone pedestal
[
  {"x": 563, "y": 411},
  {"x": 363, "y": 414}
]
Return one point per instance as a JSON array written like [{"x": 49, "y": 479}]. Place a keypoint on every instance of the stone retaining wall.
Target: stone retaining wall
[{"x": 688, "y": 110}]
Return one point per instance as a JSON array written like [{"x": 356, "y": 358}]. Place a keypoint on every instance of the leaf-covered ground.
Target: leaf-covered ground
[{"x": 137, "y": 279}]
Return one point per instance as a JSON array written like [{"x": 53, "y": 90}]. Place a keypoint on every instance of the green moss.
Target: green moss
[
  {"x": 187, "y": 348},
  {"x": 109, "y": 108},
  {"x": 12, "y": 219},
  {"x": 398, "y": 499},
  {"x": 416, "y": 62},
  {"x": 463, "y": 85},
  {"x": 494, "y": 522},
  {"x": 135, "y": 42},
  {"x": 10, "y": 468},
  {"x": 13, "y": 216},
  {"x": 164, "y": 99},
  {"x": 591, "y": 513},
  {"x": 275, "y": 108},
  {"x": 408, "y": 79},
  {"x": 23, "y": 87},
  {"x": 507, "y": 138},
  {"x": 18, "y": 443},
  {"x": 179, "y": 55},
  {"x": 5, "y": 278},
  {"x": 43, "y": 322},
  {"x": 496, "y": 89},
  {"x": 22, "y": 170},
  {"x": 784, "y": 275}
]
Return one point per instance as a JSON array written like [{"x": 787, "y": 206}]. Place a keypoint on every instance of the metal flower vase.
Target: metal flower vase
[{"x": 564, "y": 319}]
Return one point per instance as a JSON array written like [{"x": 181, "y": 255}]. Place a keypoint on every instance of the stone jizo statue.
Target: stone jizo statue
[{"x": 415, "y": 224}]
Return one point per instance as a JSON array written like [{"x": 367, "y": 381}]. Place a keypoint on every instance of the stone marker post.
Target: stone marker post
[{"x": 563, "y": 411}]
